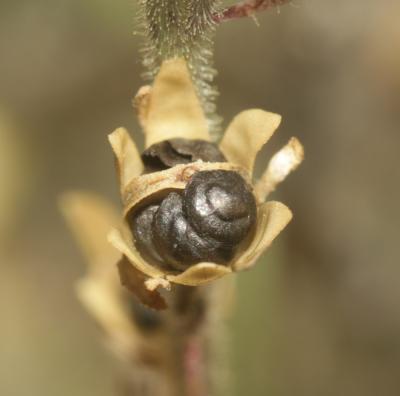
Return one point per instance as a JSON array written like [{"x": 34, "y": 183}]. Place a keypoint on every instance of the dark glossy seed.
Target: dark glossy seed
[
  {"x": 220, "y": 205},
  {"x": 176, "y": 240},
  {"x": 197, "y": 150},
  {"x": 141, "y": 227},
  {"x": 169, "y": 153}
]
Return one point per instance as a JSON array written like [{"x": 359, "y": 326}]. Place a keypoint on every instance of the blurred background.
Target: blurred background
[{"x": 320, "y": 314}]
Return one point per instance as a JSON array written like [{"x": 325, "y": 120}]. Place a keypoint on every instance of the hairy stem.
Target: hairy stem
[{"x": 182, "y": 28}]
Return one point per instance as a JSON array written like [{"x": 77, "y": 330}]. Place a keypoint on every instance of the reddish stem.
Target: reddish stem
[
  {"x": 194, "y": 368},
  {"x": 247, "y": 8}
]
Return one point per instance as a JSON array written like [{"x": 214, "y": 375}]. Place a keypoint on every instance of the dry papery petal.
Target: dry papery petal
[
  {"x": 100, "y": 291},
  {"x": 141, "y": 103},
  {"x": 200, "y": 274},
  {"x": 173, "y": 108},
  {"x": 280, "y": 166},
  {"x": 272, "y": 219},
  {"x": 90, "y": 219},
  {"x": 129, "y": 162},
  {"x": 246, "y": 135},
  {"x": 135, "y": 281},
  {"x": 107, "y": 308}
]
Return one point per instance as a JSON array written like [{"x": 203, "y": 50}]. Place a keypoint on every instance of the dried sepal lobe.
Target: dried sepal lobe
[
  {"x": 273, "y": 217},
  {"x": 182, "y": 29},
  {"x": 248, "y": 132},
  {"x": 134, "y": 281},
  {"x": 90, "y": 218},
  {"x": 129, "y": 163},
  {"x": 173, "y": 108},
  {"x": 280, "y": 166}
]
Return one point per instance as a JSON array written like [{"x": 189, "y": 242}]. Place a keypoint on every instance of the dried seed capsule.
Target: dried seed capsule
[
  {"x": 206, "y": 222},
  {"x": 169, "y": 153}
]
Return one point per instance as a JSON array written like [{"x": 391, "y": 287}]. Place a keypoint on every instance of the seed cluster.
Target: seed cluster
[{"x": 203, "y": 223}]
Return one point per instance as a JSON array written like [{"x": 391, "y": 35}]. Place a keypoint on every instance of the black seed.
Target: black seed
[
  {"x": 197, "y": 150},
  {"x": 220, "y": 205},
  {"x": 169, "y": 153},
  {"x": 176, "y": 240},
  {"x": 141, "y": 227}
]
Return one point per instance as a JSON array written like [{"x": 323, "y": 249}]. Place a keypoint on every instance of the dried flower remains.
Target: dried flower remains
[{"x": 191, "y": 213}]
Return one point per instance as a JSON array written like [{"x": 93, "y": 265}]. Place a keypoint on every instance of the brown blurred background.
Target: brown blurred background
[{"x": 320, "y": 314}]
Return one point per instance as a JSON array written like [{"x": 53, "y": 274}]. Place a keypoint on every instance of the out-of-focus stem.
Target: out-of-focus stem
[
  {"x": 194, "y": 368},
  {"x": 187, "y": 322},
  {"x": 182, "y": 365},
  {"x": 194, "y": 328}
]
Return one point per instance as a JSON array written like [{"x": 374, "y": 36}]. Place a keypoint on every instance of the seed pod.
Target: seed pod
[{"x": 181, "y": 223}]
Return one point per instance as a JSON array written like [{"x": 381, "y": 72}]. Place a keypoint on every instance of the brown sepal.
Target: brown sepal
[{"x": 134, "y": 281}]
